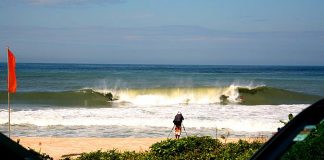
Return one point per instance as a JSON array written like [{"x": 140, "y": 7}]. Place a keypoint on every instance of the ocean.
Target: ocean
[{"x": 108, "y": 100}]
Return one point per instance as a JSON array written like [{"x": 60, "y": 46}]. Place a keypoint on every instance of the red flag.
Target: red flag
[{"x": 12, "y": 82}]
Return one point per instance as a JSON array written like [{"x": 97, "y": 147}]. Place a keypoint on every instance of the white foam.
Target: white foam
[
  {"x": 234, "y": 117},
  {"x": 175, "y": 96}
]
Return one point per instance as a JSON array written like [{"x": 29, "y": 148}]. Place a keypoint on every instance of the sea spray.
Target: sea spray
[{"x": 233, "y": 94}]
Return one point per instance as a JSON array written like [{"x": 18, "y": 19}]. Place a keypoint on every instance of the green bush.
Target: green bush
[
  {"x": 184, "y": 148},
  {"x": 113, "y": 155},
  {"x": 240, "y": 150},
  {"x": 312, "y": 148},
  {"x": 189, "y": 147},
  {"x": 99, "y": 155}
]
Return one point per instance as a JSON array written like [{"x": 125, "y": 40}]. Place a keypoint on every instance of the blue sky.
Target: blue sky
[{"x": 233, "y": 32}]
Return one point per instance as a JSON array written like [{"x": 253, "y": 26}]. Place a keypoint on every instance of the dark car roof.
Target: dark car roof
[{"x": 281, "y": 141}]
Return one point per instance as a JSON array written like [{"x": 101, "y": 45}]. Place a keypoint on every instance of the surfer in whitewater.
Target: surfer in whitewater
[
  {"x": 109, "y": 96},
  {"x": 178, "y": 122}
]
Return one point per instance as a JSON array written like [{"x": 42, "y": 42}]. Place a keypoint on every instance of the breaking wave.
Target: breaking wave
[{"x": 245, "y": 95}]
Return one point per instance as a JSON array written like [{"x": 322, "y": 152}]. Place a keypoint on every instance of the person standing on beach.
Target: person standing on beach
[{"x": 178, "y": 122}]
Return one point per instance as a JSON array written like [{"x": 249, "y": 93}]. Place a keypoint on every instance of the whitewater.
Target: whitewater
[
  {"x": 199, "y": 119},
  {"x": 72, "y": 100}
]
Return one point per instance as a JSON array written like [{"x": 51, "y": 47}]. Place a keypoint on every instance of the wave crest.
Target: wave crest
[
  {"x": 181, "y": 95},
  {"x": 233, "y": 94}
]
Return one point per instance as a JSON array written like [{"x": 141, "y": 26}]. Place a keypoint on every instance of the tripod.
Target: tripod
[{"x": 180, "y": 132}]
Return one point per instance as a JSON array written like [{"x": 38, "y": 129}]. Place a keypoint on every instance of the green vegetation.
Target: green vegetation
[
  {"x": 310, "y": 149},
  {"x": 185, "y": 148},
  {"x": 113, "y": 155}
]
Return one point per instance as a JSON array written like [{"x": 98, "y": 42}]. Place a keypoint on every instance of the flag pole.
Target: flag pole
[
  {"x": 9, "y": 113},
  {"x": 9, "y": 130}
]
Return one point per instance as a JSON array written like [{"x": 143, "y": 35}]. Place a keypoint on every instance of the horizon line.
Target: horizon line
[{"x": 149, "y": 64}]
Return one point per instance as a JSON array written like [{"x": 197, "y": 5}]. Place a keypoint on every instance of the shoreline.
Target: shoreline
[{"x": 57, "y": 147}]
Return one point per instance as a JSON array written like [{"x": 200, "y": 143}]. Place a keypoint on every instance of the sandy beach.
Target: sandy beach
[{"x": 58, "y": 147}]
